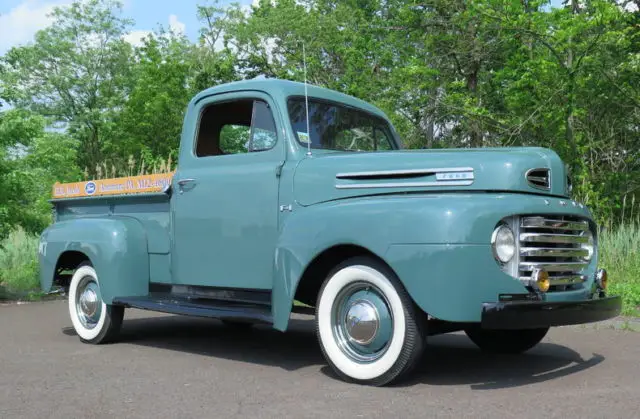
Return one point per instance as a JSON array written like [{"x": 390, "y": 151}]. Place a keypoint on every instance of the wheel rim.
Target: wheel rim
[
  {"x": 88, "y": 302},
  {"x": 362, "y": 322}
]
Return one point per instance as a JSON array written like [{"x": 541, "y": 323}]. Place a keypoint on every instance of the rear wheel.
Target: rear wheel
[
  {"x": 93, "y": 320},
  {"x": 369, "y": 329},
  {"x": 506, "y": 341}
]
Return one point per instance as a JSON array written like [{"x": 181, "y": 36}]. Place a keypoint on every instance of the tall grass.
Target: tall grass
[
  {"x": 620, "y": 255},
  {"x": 132, "y": 167},
  {"x": 19, "y": 263}
]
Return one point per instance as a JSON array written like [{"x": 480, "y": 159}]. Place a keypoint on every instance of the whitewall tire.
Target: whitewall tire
[
  {"x": 369, "y": 329},
  {"x": 93, "y": 320}
]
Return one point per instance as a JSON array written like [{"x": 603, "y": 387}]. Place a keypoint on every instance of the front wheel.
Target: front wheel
[
  {"x": 369, "y": 329},
  {"x": 506, "y": 341},
  {"x": 93, "y": 320}
]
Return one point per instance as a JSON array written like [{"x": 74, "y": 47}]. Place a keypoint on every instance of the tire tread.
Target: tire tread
[
  {"x": 112, "y": 322},
  {"x": 414, "y": 323}
]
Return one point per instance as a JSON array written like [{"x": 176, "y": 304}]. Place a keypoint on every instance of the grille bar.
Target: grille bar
[
  {"x": 552, "y": 238},
  {"x": 553, "y": 243},
  {"x": 561, "y": 280},
  {"x": 554, "y": 252},
  {"x": 553, "y": 266},
  {"x": 554, "y": 224}
]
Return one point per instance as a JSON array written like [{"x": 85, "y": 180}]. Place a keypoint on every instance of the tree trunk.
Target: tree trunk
[
  {"x": 427, "y": 123},
  {"x": 569, "y": 110},
  {"x": 529, "y": 41},
  {"x": 475, "y": 132},
  {"x": 569, "y": 119}
]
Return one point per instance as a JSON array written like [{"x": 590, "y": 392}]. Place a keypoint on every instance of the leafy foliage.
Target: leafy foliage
[
  {"x": 475, "y": 74},
  {"x": 76, "y": 73},
  {"x": 31, "y": 160},
  {"x": 449, "y": 73}
]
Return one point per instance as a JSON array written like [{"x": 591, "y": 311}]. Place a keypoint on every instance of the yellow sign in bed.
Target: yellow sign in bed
[{"x": 116, "y": 186}]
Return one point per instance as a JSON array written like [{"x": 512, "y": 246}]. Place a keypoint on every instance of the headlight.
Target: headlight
[
  {"x": 503, "y": 243},
  {"x": 588, "y": 246}
]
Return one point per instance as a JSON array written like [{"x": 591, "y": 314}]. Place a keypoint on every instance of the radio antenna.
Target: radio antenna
[{"x": 306, "y": 99}]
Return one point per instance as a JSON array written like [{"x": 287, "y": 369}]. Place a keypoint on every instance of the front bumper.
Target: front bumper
[{"x": 539, "y": 314}]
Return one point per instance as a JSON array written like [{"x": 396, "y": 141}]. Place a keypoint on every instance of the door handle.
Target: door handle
[{"x": 184, "y": 182}]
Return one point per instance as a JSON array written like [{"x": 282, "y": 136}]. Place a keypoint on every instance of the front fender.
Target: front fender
[
  {"x": 116, "y": 246},
  {"x": 371, "y": 223},
  {"x": 438, "y": 245}
]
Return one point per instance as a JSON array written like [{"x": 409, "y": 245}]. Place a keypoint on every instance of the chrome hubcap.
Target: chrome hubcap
[
  {"x": 362, "y": 322},
  {"x": 88, "y": 302}
]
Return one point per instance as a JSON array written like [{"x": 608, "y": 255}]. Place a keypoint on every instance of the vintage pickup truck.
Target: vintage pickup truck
[{"x": 291, "y": 198}]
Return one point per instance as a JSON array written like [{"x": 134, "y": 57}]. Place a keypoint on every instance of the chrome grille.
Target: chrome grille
[
  {"x": 539, "y": 178},
  {"x": 553, "y": 243}
]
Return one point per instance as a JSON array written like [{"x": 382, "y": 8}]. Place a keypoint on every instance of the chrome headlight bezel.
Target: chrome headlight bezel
[
  {"x": 590, "y": 246},
  {"x": 503, "y": 243}
]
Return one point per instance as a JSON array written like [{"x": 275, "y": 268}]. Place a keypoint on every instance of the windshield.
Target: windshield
[{"x": 336, "y": 127}]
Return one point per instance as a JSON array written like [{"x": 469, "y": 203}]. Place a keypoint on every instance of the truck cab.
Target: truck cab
[{"x": 293, "y": 198}]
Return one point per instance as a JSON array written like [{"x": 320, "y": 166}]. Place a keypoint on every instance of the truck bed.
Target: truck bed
[
  {"x": 152, "y": 210},
  {"x": 149, "y": 205}
]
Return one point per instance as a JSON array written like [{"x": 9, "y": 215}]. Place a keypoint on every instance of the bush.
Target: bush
[
  {"x": 19, "y": 262},
  {"x": 620, "y": 255}
]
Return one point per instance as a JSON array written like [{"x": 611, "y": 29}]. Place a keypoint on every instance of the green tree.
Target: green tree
[
  {"x": 77, "y": 72},
  {"x": 168, "y": 71},
  {"x": 31, "y": 160},
  {"x": 448, "y": 73},
  {"x": 150, "y": 120},
  {"x": 566, "y": 88}
]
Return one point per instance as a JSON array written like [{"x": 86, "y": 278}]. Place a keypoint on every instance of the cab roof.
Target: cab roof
[{"x": 287, "y": 88}]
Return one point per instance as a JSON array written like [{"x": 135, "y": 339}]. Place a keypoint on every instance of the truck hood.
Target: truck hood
[{"x": 327, "y": 176}]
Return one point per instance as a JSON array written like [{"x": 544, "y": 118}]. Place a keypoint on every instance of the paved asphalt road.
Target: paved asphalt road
[{"x": 178, "y": 367}]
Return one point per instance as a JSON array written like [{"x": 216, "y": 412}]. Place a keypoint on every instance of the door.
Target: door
[{"x": 225, "y": 210}]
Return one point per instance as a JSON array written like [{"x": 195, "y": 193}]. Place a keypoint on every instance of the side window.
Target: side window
[
  {"x": 235, "y": 127},
  {"x": 234, "y": 139},
  {"x": 263, "y": 129}
]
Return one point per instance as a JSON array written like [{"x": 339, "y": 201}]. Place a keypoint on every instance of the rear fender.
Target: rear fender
[{"x": 115, "y": 246}]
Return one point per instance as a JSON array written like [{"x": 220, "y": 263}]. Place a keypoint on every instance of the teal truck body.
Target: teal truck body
[{"x": 385, "y": 246}]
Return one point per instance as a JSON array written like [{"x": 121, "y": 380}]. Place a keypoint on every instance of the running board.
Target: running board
[{"x": 199, "y": 307}]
